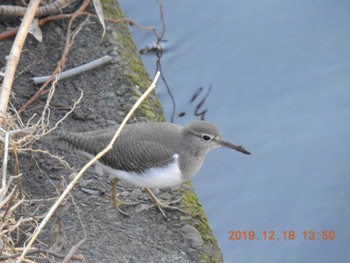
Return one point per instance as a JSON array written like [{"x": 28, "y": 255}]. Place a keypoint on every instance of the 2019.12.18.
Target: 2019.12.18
[{"x": 281, "y": 235}]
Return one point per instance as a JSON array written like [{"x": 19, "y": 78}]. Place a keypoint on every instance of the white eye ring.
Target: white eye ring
[{"x": 207, "y": 138}]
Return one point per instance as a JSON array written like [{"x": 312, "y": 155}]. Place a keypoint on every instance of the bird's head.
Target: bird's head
[{"x": 202, "y": 136}]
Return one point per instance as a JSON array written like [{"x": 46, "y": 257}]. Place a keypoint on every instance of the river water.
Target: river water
[{"x": 279, "y": 73}]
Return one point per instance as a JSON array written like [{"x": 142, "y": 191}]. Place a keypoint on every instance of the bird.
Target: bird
[{"x": 149, "y": 154}]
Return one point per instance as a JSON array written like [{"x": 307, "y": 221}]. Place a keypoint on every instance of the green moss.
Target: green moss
[
  {"x": 111, "y": 9},
  {"x": 205, "y": 258},
  {"x": 152, "y": 110},
  {"x": 194, "y": 208},
  {"x": 197, "y": 218},
  {"x": 137, "y": 75}
]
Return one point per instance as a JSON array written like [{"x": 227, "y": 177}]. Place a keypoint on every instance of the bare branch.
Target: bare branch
[
  {"x": 55, "y": 7},
  {"x": 63, "y": 58},
  {"x": 13, "y": 58},
  {"x": 77, "y": 70}
]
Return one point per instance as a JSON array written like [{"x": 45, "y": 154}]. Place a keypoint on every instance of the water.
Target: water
[{"x": 280, "y": 77}]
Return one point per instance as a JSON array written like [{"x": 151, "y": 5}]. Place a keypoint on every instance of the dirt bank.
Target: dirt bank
[{"x": 108, "y": 93}]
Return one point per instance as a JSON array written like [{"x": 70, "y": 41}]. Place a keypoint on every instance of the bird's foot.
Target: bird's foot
[
  {"x": 117, "y": 202},
  {"x": 120, "y": 210},
  {"x": 161, "y": 206},
  {"x": 174, "y": 202}
]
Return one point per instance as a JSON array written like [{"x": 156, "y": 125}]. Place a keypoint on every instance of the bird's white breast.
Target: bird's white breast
[{"x": 158, "y": 177}]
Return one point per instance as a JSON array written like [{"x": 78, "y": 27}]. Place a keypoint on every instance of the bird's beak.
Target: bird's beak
[{"x": 239, "y": 148}]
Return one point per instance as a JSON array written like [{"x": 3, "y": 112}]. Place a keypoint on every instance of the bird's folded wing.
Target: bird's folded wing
[{"x": 138, "y": 156}]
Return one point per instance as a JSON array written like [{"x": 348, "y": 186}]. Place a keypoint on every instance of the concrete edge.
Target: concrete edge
[{"x": 151, "y": 109}]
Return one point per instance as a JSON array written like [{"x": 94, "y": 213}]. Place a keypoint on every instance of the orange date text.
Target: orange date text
[{"x": 281, "y": 235}]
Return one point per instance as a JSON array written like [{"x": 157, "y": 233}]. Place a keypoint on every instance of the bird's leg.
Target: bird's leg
[
  {"x": 161, "y": 205},
  {"x": 117, "y": 202}
]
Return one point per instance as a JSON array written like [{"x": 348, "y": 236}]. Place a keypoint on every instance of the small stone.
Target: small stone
[
  {"x": 125, "y": 194},
  {"x": 166, "y": 196},
  {"x": 72, "y": 175},
  {"x": 113, "y": 53},
  {"x": 161, "y": 228},
  {"x": 90, "y": 191},
  {"x": 58, "y": 30},
  {"x": 155, "y": 191},
  {"x": 109, "y": 94},
  {"x": 193, "y": 236},
  {"x": 85, "y": 182},
  {"x": 141, "y": 207},
  {"x": 98, "y": 170},
  {"x": 136, "y": 193},
  {"x": 121, "y": 183},
  {"x": 175, "y": 188},
  {"x": 111, "y": 122}
]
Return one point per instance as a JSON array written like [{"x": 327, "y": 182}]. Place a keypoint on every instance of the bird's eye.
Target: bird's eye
[{"x": 206, "y": 137}]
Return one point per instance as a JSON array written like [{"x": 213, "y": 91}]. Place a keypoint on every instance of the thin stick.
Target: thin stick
[
  {"x": 82, "y": 171},
  {"x": 12, "y": 32},
  {"x": 13, "y": 58},
  {"x": 72, "y": 251},
  {"x": 62, "y": 60},
  {"x": 3, "y": 257},
  {"x": 77, "y": 70},
  {"x": 4, "y": 167},
  {"x": 55, "y": 7}
]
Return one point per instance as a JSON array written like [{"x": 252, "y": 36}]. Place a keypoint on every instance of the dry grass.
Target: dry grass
[{"x": 16, "y": 221}]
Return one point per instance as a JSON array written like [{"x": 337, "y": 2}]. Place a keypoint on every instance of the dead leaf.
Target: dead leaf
[
  {"x": 99, "y": 12},
  {"x": 35, "y": 30}
]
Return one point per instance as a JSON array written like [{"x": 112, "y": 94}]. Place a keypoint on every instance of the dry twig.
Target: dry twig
[
  {"x": 63, "y": 59},
  {"x": 77, "y": 70},
  {"x": 55, "y": 7},
  {"x": 13, "y": 58},
  {"x": 43, "y": 21},
  {"x": 72, "y": 251},
  {"x": 10, "y": 195},
  {"x": 39, "y": 251}
]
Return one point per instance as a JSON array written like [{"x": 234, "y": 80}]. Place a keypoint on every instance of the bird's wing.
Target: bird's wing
[
  {"x": 138, "y": 156},
  {"x": 133, "y": 150}
]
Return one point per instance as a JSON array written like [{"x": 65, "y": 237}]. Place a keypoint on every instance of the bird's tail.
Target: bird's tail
[
  {"x": 91, "y": 142},
  {"x": 63, "y": 140}
]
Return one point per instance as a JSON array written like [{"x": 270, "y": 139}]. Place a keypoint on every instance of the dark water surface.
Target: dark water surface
[{"x": 280, "y": 77}]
